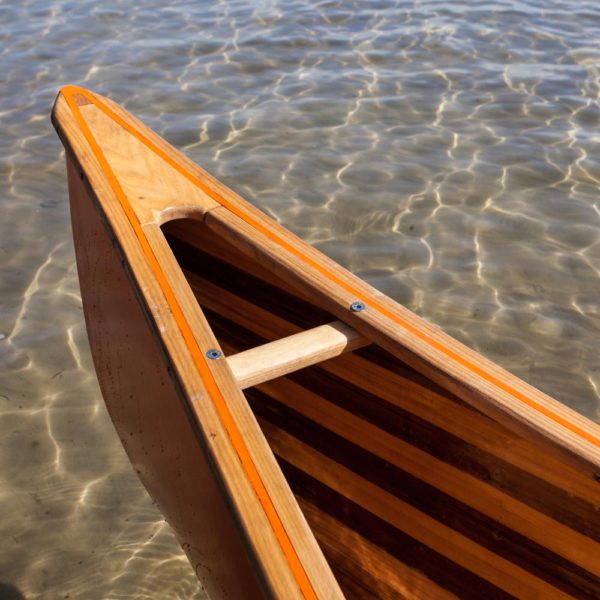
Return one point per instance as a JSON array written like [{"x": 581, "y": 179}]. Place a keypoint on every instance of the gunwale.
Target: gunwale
[
  {"x": 475, "y": 380},
  {"x": 331, "y": 421},
  {"x": 577, "y": 426}
]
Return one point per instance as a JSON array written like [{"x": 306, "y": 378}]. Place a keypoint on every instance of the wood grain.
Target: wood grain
[
  {"x": 495, "y": 496},
  {"x": 421, "y": 468},
  {"x": 297, "y": 351}
]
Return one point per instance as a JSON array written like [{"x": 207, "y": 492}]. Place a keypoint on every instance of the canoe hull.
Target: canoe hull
[{"x": 422, "y": 469}]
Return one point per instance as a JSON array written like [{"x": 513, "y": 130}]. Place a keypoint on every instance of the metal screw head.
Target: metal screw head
[
  {"x": 213, "y": 354},
  {"x": 358, "y": 306}
]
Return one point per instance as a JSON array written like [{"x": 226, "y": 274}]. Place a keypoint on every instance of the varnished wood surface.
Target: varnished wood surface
[
  {"x": 297, "y": 351},
  {"x": 372, "y": 447},
  {"x": 451, "y": 477},
  {"x": 278, "y": 542}
]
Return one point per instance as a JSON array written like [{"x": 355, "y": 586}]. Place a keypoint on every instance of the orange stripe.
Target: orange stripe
[
  {"x": 372, "y": 302},
  {"x": 227, "y": 419}
]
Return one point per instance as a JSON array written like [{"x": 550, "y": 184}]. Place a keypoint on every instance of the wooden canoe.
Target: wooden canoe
[{"x": 304, "y": 435}]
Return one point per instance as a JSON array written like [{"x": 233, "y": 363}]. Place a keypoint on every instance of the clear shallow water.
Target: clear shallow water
[{"x": 447, "y": 153}]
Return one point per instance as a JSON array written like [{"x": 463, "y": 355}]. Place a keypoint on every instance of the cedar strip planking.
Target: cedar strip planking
[
  {"x": 420, "y": 433},
  {"x": 442, "y": 555},
  {"x": 293, "y": 312},
  {"x": 485, "y": 432},
  {"x": 352, "y": 557},
  {"x": 555, "y": 592},
  {"x": 494, "y": 536},
  {"x": 448, "y": 479},
  {"x": 559, "y": 430},
  {"x": 415, "y": 554},
  {"x": 475, "y": 429},
  {"x": 459, "y": 551},
  {"x": 437, "y": 442},
  {"x": 438, "y": 406}
]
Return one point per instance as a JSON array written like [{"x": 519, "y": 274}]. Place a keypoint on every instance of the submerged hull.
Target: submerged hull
[{"x": 393, "y": 463}]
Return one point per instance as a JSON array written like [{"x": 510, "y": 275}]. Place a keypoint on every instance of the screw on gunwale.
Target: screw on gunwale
[
  {"x": 213, "y": 354},
  {"x": 358, "y": 306}
]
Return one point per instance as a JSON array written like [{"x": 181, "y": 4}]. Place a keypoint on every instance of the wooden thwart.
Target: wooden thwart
[{"x": 294, "y": 352}]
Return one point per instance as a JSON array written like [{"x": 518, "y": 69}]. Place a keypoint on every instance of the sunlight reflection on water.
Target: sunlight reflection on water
[{"x": 445, "y": 152}]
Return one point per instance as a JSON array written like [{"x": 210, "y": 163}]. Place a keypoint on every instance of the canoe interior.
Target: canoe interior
[{"x": 409, "y": 491}]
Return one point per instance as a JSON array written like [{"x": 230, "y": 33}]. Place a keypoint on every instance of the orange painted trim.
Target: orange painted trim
[
  {"x": 372, "y": 302},
  {"x": 323, "y": 270},
  {"x": 214, "y": 392}
]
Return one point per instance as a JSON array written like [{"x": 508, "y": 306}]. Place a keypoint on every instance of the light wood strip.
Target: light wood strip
[
  {"x": 502, "y": 573},
  {"x": 292, "y": 353},
  {"x": 345, "y": 546},
  {"x": 469, "y": 490},
  {"x": 474, "y": 428}
]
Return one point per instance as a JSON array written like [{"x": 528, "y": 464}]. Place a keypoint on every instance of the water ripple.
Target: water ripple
[{"x": 446, "y": 152}]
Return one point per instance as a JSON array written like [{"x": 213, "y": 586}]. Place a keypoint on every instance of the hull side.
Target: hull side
[
  {"x": 205, "y": 460},
  {"x": 149, "y": 414},
  {"x": 410, "y": 491}
]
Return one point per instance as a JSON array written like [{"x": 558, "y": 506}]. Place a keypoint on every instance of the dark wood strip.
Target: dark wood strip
[
  {"x": 362, "y": 569},
  {"x": 276, "y": 300},
  {"x": 411, "y": 552},
  {"x": 478, "y": 527},
  {"x": 555, "y": 502},
  {"x": 355, "y": 579},
  {"x": 574, "y": 512}
]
